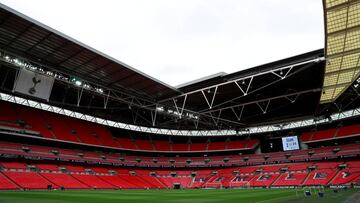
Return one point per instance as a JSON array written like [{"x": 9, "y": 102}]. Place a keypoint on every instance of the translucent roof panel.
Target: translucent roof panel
[{"x": 342, "y": 22}]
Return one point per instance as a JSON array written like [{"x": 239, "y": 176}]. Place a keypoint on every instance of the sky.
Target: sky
[{"x": 177, "y": 41}]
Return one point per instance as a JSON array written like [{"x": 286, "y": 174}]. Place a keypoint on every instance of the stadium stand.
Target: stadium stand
[
  {"x": 76, "y": 177},
  {"x": 135, "y": 132},
  {"x": 67, "y": 154},
  {"x": 28, "y": 180},
  {"x": 330, "y": 134},
  {"x": 7, "y": 184},
  {"x": 346, "y": 131},
  {"x": 104, "y": 125},
  {"x": 93, "y": 181},
  {"x": 64, "y": 180},
  {"x": 291, "y": 179},
  {"x": 36, "y": 166},
  {"x": 53, "y": 126}
]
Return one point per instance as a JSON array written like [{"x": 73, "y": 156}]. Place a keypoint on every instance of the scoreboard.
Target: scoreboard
[{"x": 290, "y": 143}]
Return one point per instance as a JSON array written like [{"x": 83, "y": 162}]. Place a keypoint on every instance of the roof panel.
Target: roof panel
[
  {"x": 342, "y": 19},
  {"x": 79, "y": 59},
  {"x": 331, "y": 3},
  {"x": 114, "y": 75}
]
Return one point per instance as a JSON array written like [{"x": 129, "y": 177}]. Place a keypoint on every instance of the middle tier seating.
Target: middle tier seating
[{"x": 44, "y": 152}]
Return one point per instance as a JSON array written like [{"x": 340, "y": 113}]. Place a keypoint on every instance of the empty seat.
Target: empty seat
[
  {"x": 6, "y": 183},
  {"x": 65, "y": 180},
  {"x": 28, "y": 180},
  {"x": 93, "y": 181}
]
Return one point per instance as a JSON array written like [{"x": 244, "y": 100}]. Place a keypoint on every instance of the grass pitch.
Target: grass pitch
[{"x": 172, "y": 196}]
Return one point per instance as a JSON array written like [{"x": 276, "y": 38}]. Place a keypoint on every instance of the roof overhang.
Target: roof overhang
[
  {"x": 24, "y": 36},
  {"x": 342, "y": 31}
]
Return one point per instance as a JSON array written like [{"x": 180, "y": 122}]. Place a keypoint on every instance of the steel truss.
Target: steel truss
[
  {"x": 133, "y": 101},
  {"x": 159, "y": 131},
  {"x": 243, "y": 83},
  {"x": 281, "y": 73},
  {"x": 106, "y": 93},
  {"x": 173, "y": 110},
  {"x": 291, "y": 97}
]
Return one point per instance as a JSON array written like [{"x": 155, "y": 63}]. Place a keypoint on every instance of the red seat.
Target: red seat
[
  {"x": 291, "y": 179},
  {"x": 65, "y": 180},
  {"x": 144, "y": 145},
  {"x": 349, "y": 131},
  {"x": 6, "y": 183},
  {"x": 180, "y": 147},
  {"x": 162, "y": 145},
  {"x": 93, "y": 181},
  {"x": 28, "y": 180},
  {"x": 217, "y": 146}
]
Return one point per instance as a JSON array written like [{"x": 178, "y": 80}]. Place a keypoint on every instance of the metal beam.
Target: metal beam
[
  {"x": 70, "y": 57},
  {"x": 18, "y": 35},
  {"x": 267, "y": 99},
  {"x": 159, "y": 131},
  {"x": 318, "y": 59},
  {"x": 262, "y": 87},
  {"x": 39, "y": 42}
]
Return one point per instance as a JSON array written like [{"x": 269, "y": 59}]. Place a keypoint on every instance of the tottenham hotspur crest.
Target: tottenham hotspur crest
[{"x": 35, "y": 81}]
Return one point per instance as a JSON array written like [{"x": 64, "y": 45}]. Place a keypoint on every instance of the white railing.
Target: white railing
[{"x": 160, "y": 131}]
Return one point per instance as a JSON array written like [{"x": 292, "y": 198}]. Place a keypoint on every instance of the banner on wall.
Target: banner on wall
[{"x": 34, "y": 84}]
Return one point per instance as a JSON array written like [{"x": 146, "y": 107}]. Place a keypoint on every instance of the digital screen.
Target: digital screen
[
  {"x": 271, "y": 145},
  {"x": 290, "y": 143}
]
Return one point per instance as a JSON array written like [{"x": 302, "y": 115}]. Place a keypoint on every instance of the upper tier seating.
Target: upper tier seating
[
  {"x": 162, "y": 145},
  {"x": 351, "y": 130},
  {"x": 144, "y": 145},
  {"x": 8, "y": 116},
  {"x": 54, "y": 126},
  {"x": 329, "y": 134},
  {"x": 212, "y": 146}
]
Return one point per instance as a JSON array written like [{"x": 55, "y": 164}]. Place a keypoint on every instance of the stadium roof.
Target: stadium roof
[
  {"x": 281, "y": 91},
  {"x": 342, "y": 30},
  {"x": 40, "y": 43}
]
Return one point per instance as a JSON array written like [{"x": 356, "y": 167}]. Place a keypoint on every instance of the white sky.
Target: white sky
[{"x": 177, "y": 41}]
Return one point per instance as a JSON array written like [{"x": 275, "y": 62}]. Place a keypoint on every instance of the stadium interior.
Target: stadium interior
[{"x": 98, "y": 123}]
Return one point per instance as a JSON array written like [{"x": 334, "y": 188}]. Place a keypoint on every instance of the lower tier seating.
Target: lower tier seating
[
  {"x": 6, "y": 183},
  {"x": 28, "y": 180},
  {"x": 290, "y": 179},
  {"x": 65, "y": 180},
  {"x": 93, "y": 181},
  {"x": 312, "y": 174},
  {"x": 119, "y": 182}
]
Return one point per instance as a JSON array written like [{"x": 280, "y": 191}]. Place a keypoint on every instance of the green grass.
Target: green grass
[{"x": 171, "y": 196}]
